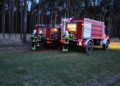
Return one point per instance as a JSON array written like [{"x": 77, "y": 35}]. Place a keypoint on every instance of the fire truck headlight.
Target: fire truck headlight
[{"x": 79, "y": 44}]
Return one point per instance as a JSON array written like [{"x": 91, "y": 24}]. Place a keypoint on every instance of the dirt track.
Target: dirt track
[
  {"x": 14, "y": 49},
  {"x": 24, "y": 48},
  {"x": 112, "y": 80}
]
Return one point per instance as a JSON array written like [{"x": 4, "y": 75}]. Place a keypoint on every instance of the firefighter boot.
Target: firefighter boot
[
  {"x": 33, "y": 48},
  {"x": 38, "y": 45},
  {"x": 66, "y": 50},
  {"x": 63, "y": 50}
]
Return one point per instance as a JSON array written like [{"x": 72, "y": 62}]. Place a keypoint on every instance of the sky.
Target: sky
[{"x": 29, "y": 4}]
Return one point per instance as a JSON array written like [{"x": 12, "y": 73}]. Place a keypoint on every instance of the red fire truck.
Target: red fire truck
[
  {"x": 85, "y": 33},
  {"x": 50, "y": 34}
]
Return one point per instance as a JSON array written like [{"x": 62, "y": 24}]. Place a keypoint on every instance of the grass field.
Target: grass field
[{"x": 54, "y": 68}]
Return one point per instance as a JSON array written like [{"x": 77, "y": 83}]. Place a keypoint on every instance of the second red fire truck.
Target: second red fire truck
[{"x": 50, "y": 34}]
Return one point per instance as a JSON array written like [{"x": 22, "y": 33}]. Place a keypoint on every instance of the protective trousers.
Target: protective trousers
[
  {"x": 33, "y": 37},
  {"x": 38, "y": 41},
  {"x": 65, "y": 44},
  {"x": 33, "y": 45},
  {"x": 65, "y": 48}
]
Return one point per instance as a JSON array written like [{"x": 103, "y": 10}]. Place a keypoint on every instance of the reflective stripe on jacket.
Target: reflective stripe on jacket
[
  {"x": 38, "y": 37},
  {"x": 33, "y": 37},
  {"x": 66, "y": 39}
]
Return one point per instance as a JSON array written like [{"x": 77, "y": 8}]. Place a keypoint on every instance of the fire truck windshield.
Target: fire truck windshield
[
  {"x": 54, "y": 33},
  {"x": 54, "y": 30},
  {"x": 43, "y": 30},
  {"x": 72, "y": 30}
]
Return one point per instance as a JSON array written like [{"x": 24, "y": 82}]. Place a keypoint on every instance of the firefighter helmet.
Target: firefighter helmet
[
  {"x": 34, "y": 32},
  {"x": 66, "y": 33}
]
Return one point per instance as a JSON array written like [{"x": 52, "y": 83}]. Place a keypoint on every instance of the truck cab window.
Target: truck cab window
[
  {"x": 72, "y": 30},
  {"x": 43, "y": 30},
  {"x": 54, "y": 32}
]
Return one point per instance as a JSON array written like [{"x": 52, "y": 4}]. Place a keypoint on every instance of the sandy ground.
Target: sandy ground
[{"x": 115, "y": 42}]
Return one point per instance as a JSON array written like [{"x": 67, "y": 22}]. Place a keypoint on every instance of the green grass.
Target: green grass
[{"x": 59, "y": 69}]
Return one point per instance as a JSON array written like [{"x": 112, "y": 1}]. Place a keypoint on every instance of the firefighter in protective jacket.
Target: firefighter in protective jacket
[
  {"x": 66, "y": 42},
  {"x": 39, "y": 39},
  {"x": 33, "y": 37}
]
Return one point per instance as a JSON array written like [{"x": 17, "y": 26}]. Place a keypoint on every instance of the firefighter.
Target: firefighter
[
  {"x": 39, "y": 39},
  {"x": 33, "y": 37},
  {"x": 66, "y": 42}
]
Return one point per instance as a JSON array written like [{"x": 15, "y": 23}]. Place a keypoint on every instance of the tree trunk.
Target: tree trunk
[
  {"x": 109, "y": 26},
  {"x": 39, "y": 13},
  {"x": 33, "y": 23},
  {"x": 55, "y": 17},
  {"x": 21, "y": 31},
  {"x": 25, "y": 21},
  {"x": 12, "y": 20},
  {"x": 51, "y": 20},
  {"x": 104, "y": 15},
  {"x": 9, "y": 19},
  {"x": 16, "y": 25},
  {"x": 43, "y": 17},
  {"x": 68, "y": 8},
  {"x": 3, "y": 18},
  {"x": 31, "y": 26}
]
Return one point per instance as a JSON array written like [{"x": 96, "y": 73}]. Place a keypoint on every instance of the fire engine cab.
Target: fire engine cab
[
  {"x": 50, "y": 34},
  {"x": 85, "y": 33}
]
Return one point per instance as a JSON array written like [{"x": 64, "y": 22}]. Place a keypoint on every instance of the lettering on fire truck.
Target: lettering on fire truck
[{"x": 87, "y": 30}]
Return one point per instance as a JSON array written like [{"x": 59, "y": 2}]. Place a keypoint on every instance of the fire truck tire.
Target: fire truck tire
[
  {"x": 105, "y": 46},
  {"x": 89, "y": 47}
]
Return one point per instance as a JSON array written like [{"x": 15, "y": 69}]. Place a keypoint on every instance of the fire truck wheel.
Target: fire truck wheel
[
  {"x": 105, "y": 46},
  {"x": 89, "y": 47}
]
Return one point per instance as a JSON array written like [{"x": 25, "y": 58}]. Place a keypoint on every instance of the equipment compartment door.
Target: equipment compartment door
[{"x": 87, "y": 30}]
